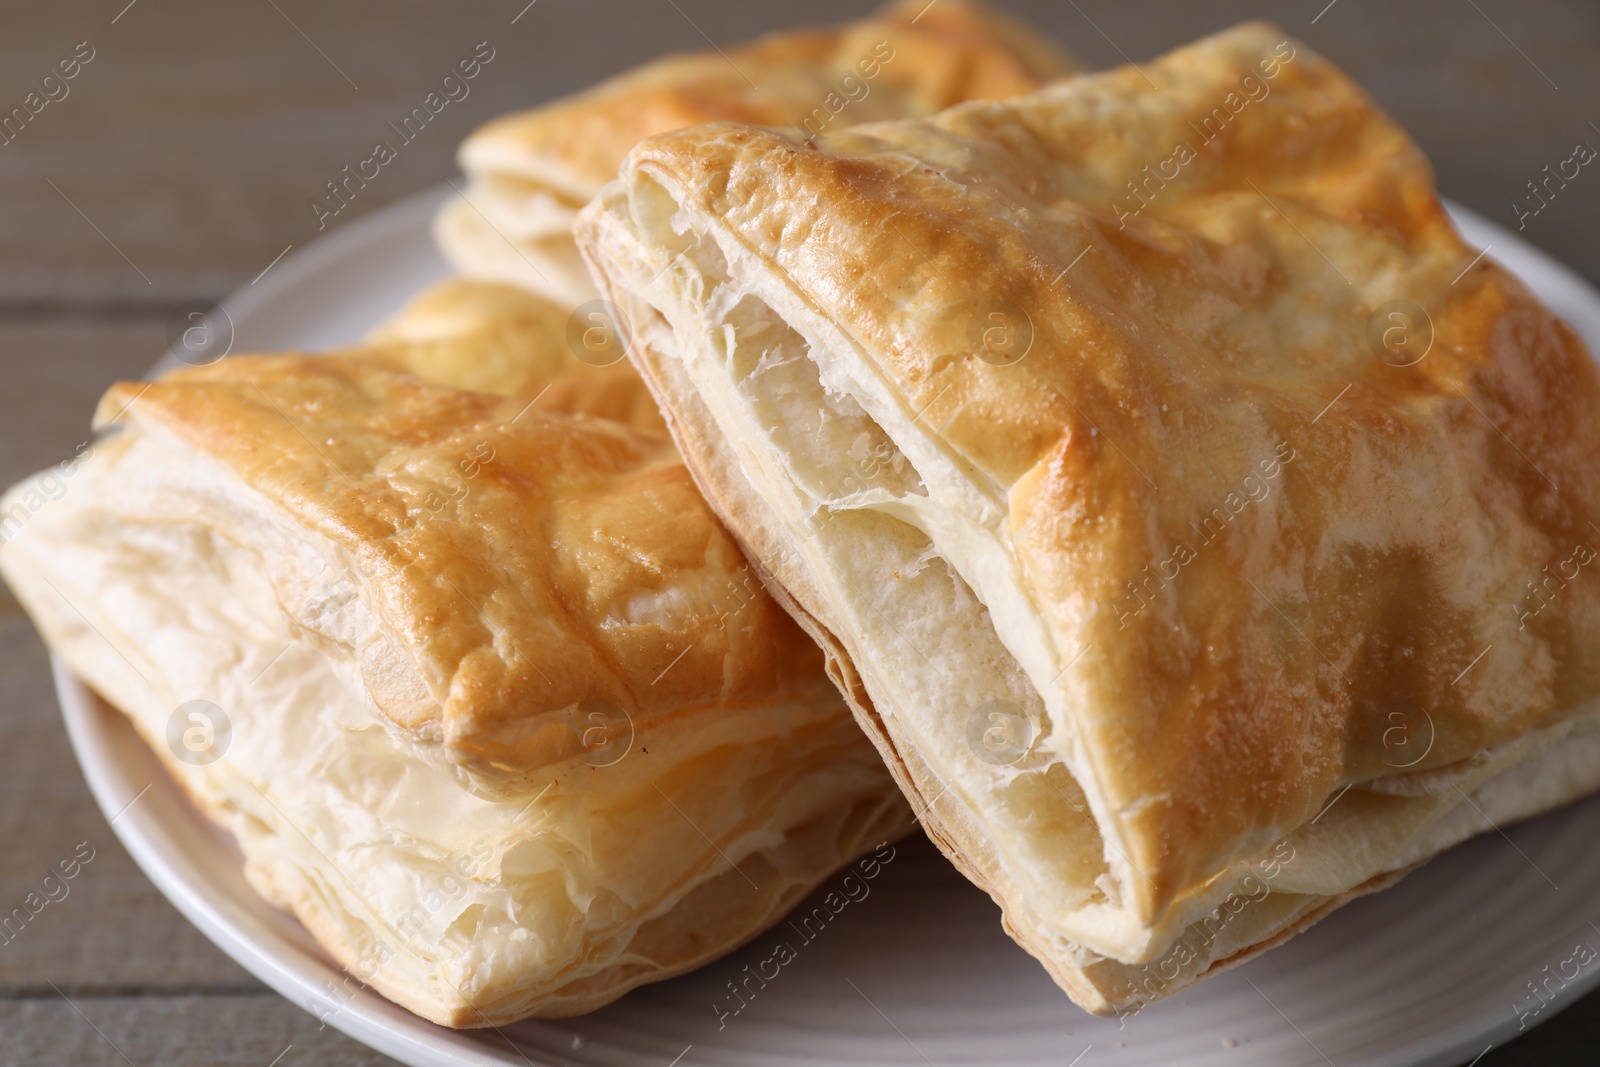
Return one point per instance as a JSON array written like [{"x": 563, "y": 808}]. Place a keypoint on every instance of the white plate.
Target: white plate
[{"x": 919, "y": 972}]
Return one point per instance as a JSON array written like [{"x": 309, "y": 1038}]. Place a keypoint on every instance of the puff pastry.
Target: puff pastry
[
  {"x": 532, "y": 170},
  {"x": 1199, "y": 526},
  {"x": 510, "y": 726},
  {"x": 497, "y": 338}
]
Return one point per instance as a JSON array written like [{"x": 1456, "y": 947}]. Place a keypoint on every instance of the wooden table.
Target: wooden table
[{"x": 183, "y": 161}]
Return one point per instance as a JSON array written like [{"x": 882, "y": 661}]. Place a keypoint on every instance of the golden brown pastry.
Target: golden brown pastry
[
  {"x": 1201, "y": 528},
  {"x": 488, "y": 697},
  {"x": 497, "y": 338},
  {"x": 532, "y": 170}
]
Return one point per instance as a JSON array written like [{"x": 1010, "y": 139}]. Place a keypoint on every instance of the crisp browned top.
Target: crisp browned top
[
  {"x": 908, "y": 59},
  {"x": 495, "y": 338},
  {"x": 525, "y": 562},
  {"x": 1269, "y": 538}
]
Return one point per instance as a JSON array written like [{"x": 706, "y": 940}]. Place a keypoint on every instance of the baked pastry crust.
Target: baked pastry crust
[
  {"x": 523, "y": 564},
  {"x": 532, "y": 170},
  {"x": 495, "y": 338},
  {"x": 1240, "y": 570},
  {"x": 513, "y": 727}
]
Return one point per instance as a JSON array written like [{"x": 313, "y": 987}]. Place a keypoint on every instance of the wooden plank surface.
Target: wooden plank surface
[{"x": 184, "y": 159}]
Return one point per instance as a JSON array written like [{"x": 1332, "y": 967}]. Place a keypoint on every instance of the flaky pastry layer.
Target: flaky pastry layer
[
  {"x": 492, "y": 572},
  {"x": 532, "y": 170},
  {"x": 467, "y": 333},
  {"x": 203, "y": 562},
  {"x": 1136, "y": 534}
]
